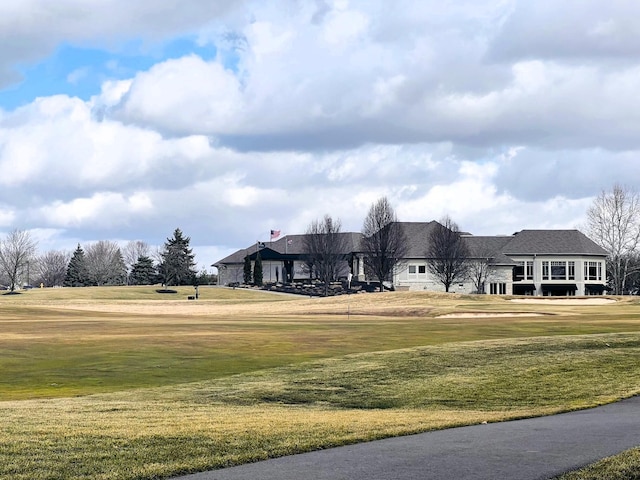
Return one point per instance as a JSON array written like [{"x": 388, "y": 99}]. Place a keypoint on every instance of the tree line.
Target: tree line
[{"x": 101, "y": 263}]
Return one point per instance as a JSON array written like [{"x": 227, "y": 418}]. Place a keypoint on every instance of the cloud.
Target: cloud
[
  {"x": 32, "y": 29},
  {"x": 57, "y": 146},
  {"x": 502, "y": 114},
  {"x": 340, "y": 80},
  {"x": 106, "y": 209},
  {"x": 572, "y": 29},
  {"x": 184, "y": 97},
  {"x": 535, "y": 174}
]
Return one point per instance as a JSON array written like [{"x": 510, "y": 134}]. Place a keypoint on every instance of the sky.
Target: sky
[{"x": 124, "y": 120}]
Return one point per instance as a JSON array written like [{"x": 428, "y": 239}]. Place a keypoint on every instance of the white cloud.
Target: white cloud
[
  {"x": 7, "y": 216},
  {"x": 103, "y": 208},
  {"x": 503, "y": 114},
  {"x": 184, "y": 96},
  {"x": 344, "y": 26},
  {"x": 56, "y": 144},
  {"x": 78, "y": 75}
]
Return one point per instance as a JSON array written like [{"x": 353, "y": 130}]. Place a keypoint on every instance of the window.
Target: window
[
  {"x": 599, "y": 270},
  {"x": 498, "y": 288},
  {"x": 417, "y": 271},
  {"x": 529, "y": 270},
  {"x": 518, "y": 272},
  {"x": 571, "y": 269},
  {"x": 558, "y": 270},
  {"x": 593, "y": 270},
  {"x": 523, "y": 271}
]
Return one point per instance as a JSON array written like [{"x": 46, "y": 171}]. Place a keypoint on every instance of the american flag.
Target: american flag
[{"x": 275, "y": 234}]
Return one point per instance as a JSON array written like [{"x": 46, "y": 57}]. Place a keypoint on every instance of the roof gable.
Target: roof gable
[{"x": 418, "y": 234}]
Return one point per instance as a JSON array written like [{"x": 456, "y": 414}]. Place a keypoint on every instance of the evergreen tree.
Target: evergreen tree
[
  {"x": 247, "y": 270},
  {"x": 205, "y": 278},
  {"x": 257, "y": 271},
  {"x": 76, "y": 270},
  {"x": 143, "y": 272},
  {"x": 177, "y": 267},
  {"x": 119, "y": 269}
]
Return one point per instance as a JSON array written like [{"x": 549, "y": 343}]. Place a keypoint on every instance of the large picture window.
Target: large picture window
[
  {"x": 593, "y": 271},
  {"x": 558, "y": 270}
]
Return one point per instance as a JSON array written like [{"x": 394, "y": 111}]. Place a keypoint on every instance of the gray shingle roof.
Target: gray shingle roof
[
  {"x": 236, "y": 257},
  {"x": 552, "y": 242},
  {"x": 418, "y": 234},
  {"x": 294, "y": 244},
  {"x": 488, "y": 247},
  {"x": 290, "y": 245},
  {"x": 526, "y": 242}
]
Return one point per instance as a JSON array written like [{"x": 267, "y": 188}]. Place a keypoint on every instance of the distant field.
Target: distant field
[{"x": 129, "y": 383}]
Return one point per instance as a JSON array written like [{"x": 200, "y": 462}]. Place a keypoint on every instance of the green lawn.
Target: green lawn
[{"x": 124, "y": 383}]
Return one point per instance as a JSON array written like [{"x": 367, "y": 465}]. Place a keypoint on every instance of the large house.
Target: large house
[{"x": 529, "y": 262}]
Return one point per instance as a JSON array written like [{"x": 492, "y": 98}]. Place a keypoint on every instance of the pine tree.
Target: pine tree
[
  {"x": 257, "y": 271},
  {"x": 143, "y": 272},
  {"x": 119, "y": 269},
  {"x": 76, "y": 270},
  {"x": 177, "y": 267},
  {"x": 246, "y": 273}
]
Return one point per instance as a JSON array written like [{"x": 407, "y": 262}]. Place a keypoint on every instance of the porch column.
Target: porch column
[{"x": 361, "y": 268}]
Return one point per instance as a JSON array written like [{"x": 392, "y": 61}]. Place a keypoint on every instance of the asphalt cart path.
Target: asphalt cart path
[{"x": 536, "y": 448}]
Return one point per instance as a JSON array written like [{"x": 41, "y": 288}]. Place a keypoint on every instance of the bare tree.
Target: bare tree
[
  {"x": 384, "y": 242},
  {"x": 133, "y": 250},
  {"x": 613, "y": 221},
  {"x": 447, "y": 253},
  {"x": 326, "y": 250},
  {"x": 17, "y": 250},
  {"x": 478, "y": 270},
  {"x": 104, "y": 263},
  {"x": 51, "y": 268}
]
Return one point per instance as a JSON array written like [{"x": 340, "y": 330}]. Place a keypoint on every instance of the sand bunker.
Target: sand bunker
[{"x": 564, "y": 301}]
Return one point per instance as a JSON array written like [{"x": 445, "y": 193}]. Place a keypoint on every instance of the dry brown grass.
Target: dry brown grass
[{"x": 581, "y": 355}]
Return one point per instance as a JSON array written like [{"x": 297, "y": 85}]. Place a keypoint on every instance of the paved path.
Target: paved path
[{"x": 537, "y": 448}]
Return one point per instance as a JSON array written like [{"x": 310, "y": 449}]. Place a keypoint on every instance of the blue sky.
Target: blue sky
[
  {"x": 124, "y": 120},
  {"x": 79, "y": 71}
]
